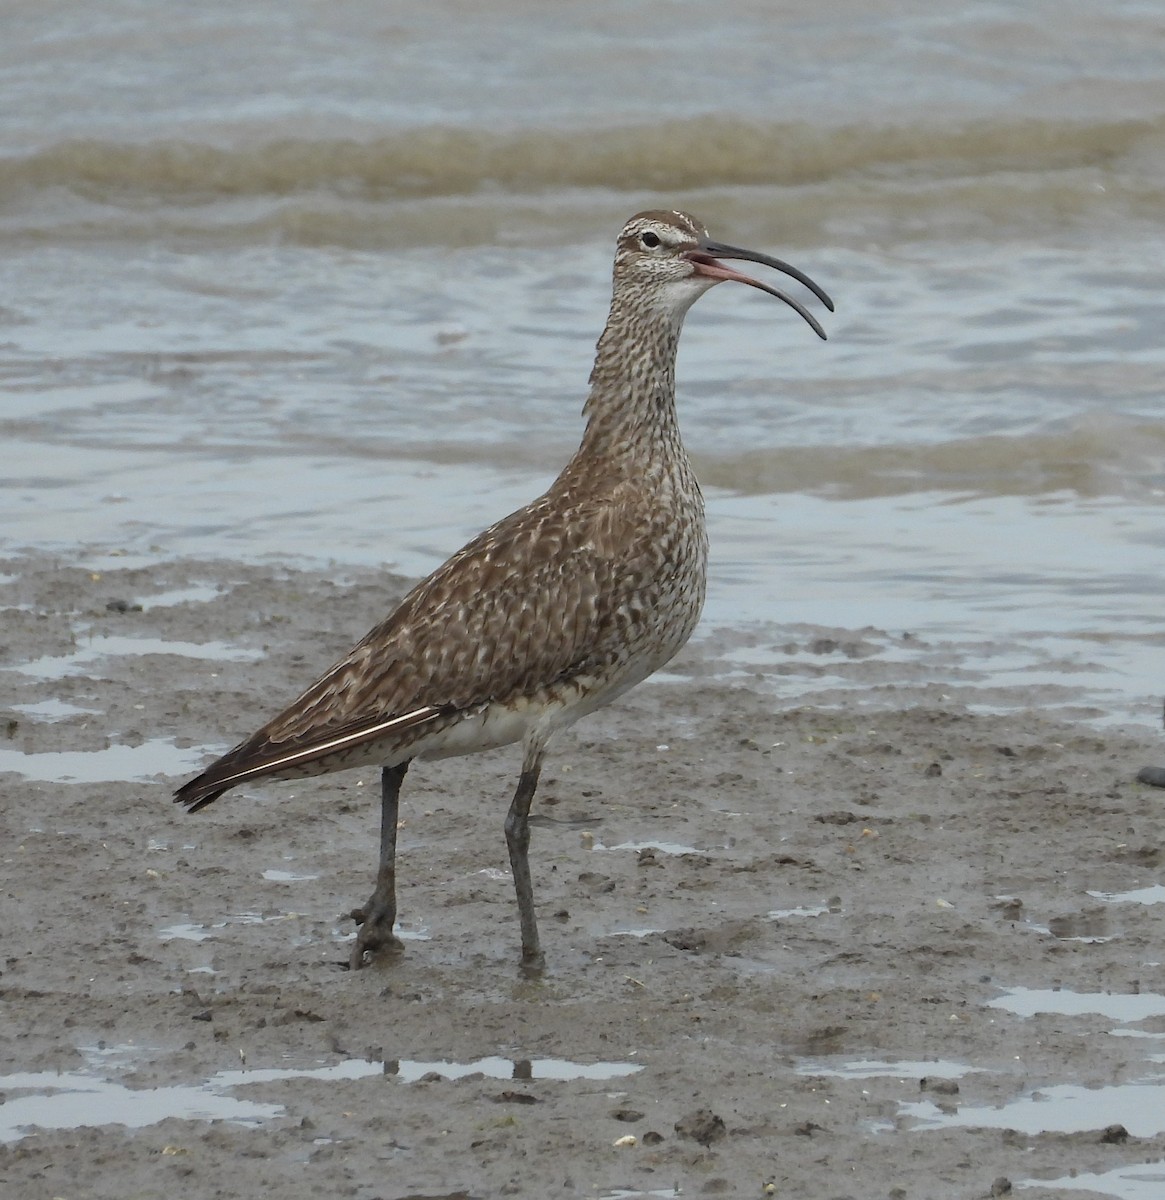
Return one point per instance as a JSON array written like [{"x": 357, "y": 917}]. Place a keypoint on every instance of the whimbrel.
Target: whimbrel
[{"x": 549, "y": 614}]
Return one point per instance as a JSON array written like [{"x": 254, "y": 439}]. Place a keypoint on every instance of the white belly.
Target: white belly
[
  {"x": 485, "y": 730},
  {"x": 536, "y": 717}
]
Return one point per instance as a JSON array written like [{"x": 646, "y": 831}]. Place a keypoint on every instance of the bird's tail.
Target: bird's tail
[{"x": 258, "y": 757}]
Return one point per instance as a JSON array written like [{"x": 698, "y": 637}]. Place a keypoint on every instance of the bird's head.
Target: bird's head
[{"x": 667, "y": 260}]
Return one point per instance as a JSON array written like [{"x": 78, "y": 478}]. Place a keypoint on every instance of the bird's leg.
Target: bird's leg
[
  {"x": 378, "y": 915},
  {"x": 518, "y": 841}
]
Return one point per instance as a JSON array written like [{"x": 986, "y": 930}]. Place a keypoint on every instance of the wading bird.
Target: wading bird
[{"x": 549, "y": 614}]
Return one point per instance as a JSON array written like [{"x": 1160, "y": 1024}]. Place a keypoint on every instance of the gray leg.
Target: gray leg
[
  {"x": 518, "y": 841},
  {"x": 378, "y": 916}
]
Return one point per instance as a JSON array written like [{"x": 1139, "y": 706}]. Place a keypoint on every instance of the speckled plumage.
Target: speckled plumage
[{"x": 550, "y": 613}]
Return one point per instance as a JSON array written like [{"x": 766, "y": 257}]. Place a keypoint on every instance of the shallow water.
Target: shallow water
[
  {"x": 1068, "y": 1107},
  {"x": 94, "y": 647},
  {"x": 1027, "y": 1002},
  {"x": 1064, "y": 1108},
  {"x": 1154, "y": 894},
  {"x": 158, "y": 756},
  {"x": 71, "y": 1100},
  {"x": 340, "y": 305},
  {"x": 865, "y": 1068},
  {"x": 1141, "y": 1182}
]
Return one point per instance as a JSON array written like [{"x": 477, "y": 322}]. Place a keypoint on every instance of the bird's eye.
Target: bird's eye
[{"x": 649, "y": 239}]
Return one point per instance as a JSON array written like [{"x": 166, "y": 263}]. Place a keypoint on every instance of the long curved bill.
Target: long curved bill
[{"x": 706, "y": 259}]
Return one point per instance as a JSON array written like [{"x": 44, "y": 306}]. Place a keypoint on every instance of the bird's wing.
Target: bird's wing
[{"x": 543, "y": 595}]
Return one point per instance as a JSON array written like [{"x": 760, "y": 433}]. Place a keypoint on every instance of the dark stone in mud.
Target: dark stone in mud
[
  {"x": 1009, "y": 907},
  {"x": 1001, "y": 1186},
  {"x": 442, "y": 1196},
  {"x": 596, "y": 884},
  {"x": 724, "y": 939},
  {"x": 702, "y": 1126},
  {"x": 1152, "y": 775},
  {"x": 1089, "y": 923},
  {"x": 823, "y": 1040}
]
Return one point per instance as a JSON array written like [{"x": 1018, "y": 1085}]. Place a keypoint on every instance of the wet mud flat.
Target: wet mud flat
[{"x": 815, "y": 924}]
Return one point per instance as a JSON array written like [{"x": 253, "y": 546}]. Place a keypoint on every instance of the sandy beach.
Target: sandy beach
[{"x": 872, "y": 942}]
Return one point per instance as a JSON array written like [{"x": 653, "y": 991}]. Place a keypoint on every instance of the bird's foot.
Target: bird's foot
[
  {"x": 533, "y": 963},
  {"x": 376, "y": 920}
]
